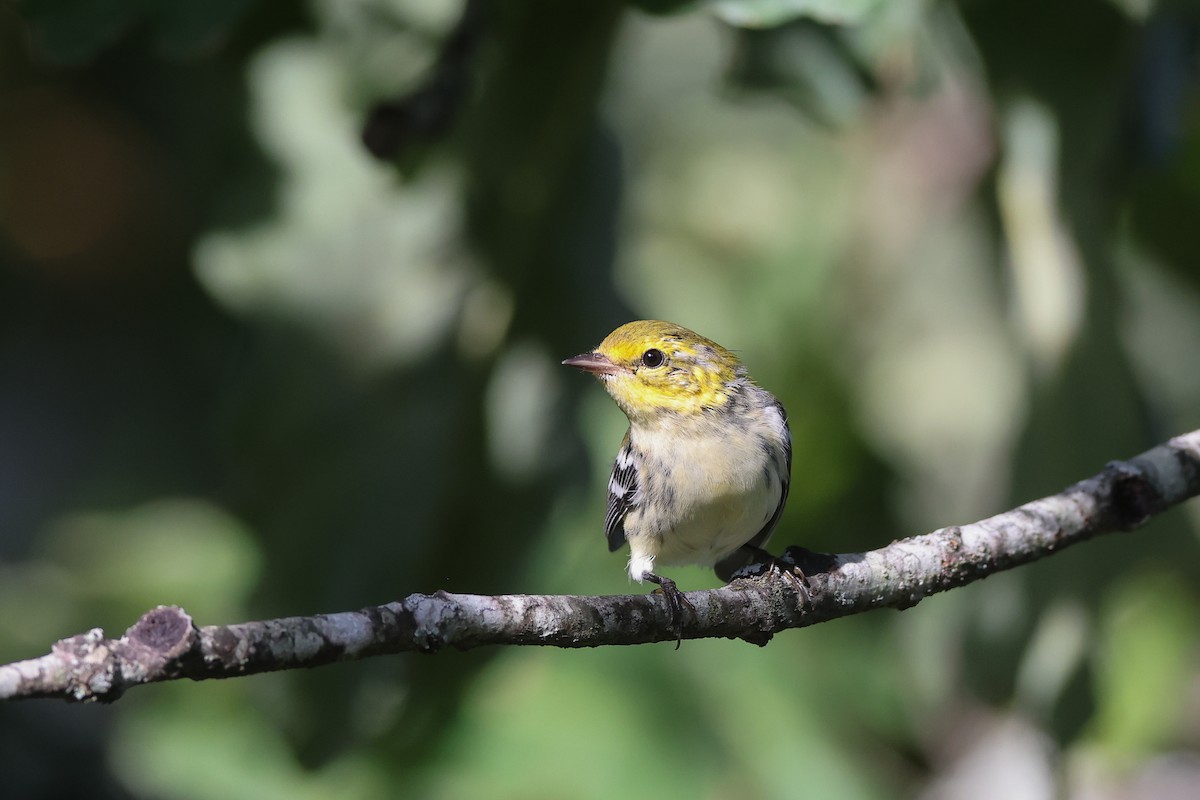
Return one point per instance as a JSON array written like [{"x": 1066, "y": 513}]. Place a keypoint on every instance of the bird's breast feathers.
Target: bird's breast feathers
[{"x": 703, "y": 493}]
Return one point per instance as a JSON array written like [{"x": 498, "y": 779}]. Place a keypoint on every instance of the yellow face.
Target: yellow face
[{"x": 652, "y": 367}]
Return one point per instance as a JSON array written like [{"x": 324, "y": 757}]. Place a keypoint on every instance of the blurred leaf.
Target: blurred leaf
[
  {"x": 770, "y": 13},
  {"x": 208, "y": 743},
  {"x": 184, "y": 26},
  {"x": 712, "y": 720},
  {"x": 664, "y": 7},
  {"x": 26, "y": 628},
  {"x": 74, "y": 31},
  {"x": 1164, "y": 204},
  {"x": 807, "y": 63},
  {"x": 1145, "y": 666},
  {"x": 177, "y": 551}
]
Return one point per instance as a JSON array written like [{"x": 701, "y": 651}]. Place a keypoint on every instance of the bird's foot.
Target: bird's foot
[
  {"x": 786, "y": 567},
  {"x": 790, "y": 572},
  {"x": 676, "y": 602}
]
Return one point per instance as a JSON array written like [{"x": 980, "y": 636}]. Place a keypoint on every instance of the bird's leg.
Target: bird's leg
[{"x": 676, "y": 601}]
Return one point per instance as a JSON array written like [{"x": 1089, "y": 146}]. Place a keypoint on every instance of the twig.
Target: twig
[{"x": 164, "y": 644}]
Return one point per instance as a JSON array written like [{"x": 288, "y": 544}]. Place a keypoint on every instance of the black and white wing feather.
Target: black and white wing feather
[{"x": 622, "y": 492}]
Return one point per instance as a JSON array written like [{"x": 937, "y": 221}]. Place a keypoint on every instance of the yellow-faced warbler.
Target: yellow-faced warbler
[{"x": 702, "y": 475}]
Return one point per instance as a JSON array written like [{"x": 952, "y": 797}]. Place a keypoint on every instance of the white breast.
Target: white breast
[{"x": 720, "y": 493}]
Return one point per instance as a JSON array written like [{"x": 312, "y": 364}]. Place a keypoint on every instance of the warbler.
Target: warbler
[{"x": 702, "y": 475}]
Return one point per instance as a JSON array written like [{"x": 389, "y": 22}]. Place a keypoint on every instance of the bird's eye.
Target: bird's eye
[{"x": 653, "y": 358}]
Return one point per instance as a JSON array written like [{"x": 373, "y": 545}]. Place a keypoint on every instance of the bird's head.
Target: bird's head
[{"x": 653, "y": 368}]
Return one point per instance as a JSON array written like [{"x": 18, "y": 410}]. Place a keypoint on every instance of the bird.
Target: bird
[{"x": 703, "y": 473}]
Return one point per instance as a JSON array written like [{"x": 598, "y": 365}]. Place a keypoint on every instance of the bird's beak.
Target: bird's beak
[{"x": 595, "y": 363}]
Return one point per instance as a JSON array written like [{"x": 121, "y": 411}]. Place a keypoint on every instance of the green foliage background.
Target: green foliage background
[{"x": 247, "y": 369}]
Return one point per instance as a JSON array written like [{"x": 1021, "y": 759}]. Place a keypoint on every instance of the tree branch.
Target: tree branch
[{"x": 164, "y": 644}]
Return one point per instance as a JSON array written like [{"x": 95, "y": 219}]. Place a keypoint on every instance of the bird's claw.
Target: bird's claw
[
  {"x": 676, "y": 602},
  {"x": 795, "y": 576},
  {"x": 781, "y": 567}
]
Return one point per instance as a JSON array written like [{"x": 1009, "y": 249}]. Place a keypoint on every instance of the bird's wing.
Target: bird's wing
[
  {"x": 622, "y": 487},
  {"x": 760, "y": 538}
]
